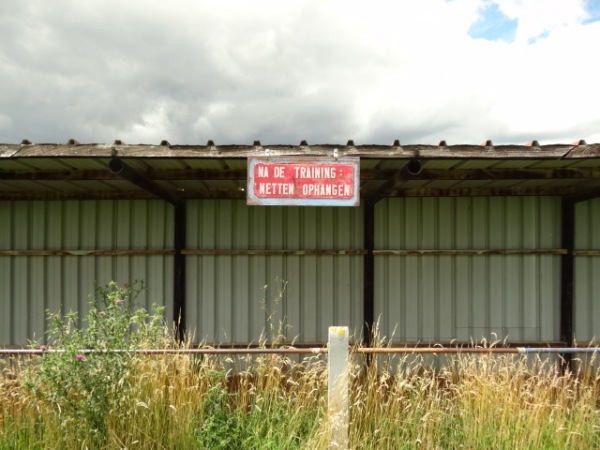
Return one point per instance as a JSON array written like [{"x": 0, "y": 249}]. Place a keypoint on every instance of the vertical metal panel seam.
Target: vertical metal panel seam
[
  {"x": 419, "y": 269},
  {"x": 368, "y": 273},
  {"x": 11, "y": 268},
  {"x": 266, "y": 238},
  {"x": 469, "y": 276},
  {"x": 501, "y": 266},
  {"x": 27, "y": 263},
  {"x": 285, "y": 278},
  {"x": 250, "y": 244},
  {"x": 386, "y": 229},
  {"x": 179, "y": 267},
  {"x": 232, "y": 269},
  {"x": 521, "y": 274},
  {"x": 45, "y": 263},
  {"x": 566, "y": 308},
  {"x": 593, "y": 214},
  {"x": 335, "y": 291},
  {"x": 437, "y": 268},
  {"x": 486, "y": 305},
  {"x": 302, "y": 293},
  {"x": 319, "y": 290},
  {"x": 454, "y": 294},
  {"x": 216, "y": 294}
]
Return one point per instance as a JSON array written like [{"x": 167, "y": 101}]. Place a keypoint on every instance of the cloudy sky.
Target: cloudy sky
[{"x": 282, "y": 71}]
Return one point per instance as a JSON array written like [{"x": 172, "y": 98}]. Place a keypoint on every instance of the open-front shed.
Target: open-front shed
[{"x": 449, "y": 243}]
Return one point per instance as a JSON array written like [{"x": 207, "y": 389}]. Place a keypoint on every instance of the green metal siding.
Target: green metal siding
[
  {"x": 468, "y": 297},
  {"x": 587, "y": 273},
  {"x": 417, "y": 297},
  {"x": 31, "y": 284},
  {"x": 227, "y": 301}
]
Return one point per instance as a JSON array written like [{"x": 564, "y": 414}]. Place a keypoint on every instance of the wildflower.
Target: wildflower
[
  {"x": 119, "y": 302},
  {"x": 79, "y": 357},
  {"x": 42, "y": 347}
]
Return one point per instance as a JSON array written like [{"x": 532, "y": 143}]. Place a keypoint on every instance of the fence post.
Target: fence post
[{"x": 338, "y": 387}]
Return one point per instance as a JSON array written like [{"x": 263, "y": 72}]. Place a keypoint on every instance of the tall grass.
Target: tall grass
[
  {"x": 272, "y": 402},
  {"x": 474, "y": 402},
  {"x": 183, "y": 401}
]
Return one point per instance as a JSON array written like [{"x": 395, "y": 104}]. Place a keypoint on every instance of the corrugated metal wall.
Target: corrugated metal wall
[
  {"x": 422, "y": 298},
  {"x": 31, "y": 284},
  {"x": 587, "y": 272},
  {"x": 226, "y": 300},
  {"x": 439, "y": 298}
]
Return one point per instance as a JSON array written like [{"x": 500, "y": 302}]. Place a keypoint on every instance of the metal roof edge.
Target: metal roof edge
[{"x": 459, "y": 151}]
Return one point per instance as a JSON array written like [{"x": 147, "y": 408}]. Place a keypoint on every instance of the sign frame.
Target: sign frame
[{"x": 285, "y": 199}]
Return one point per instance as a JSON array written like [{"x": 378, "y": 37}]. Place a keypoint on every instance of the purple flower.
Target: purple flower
[
  {"x": 42, "y": 347},
  {"x": 119, "y": 302},
  {"x": 79, "y": 357}
]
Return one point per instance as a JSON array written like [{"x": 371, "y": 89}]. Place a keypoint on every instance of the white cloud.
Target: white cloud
[
  {"x": 537, "y": 18},
  {"x": 325, "y": 71}
]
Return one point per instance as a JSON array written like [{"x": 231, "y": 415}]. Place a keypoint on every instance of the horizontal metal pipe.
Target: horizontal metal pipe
[
  {"x": 284, "y": 252},
  {"x": 319, "y": 350},
  {"x": 128, "y": 173},
  {"x": 413, "y": 167},
  {"x": 557, "y": 350},
  {"x": 434, "y": 350},
  {"x": 186, "y": 351},
  {"x": 476, "y": 350},
  {"x": 273, "y": 252},
  {"x": 132, "y": 252}
]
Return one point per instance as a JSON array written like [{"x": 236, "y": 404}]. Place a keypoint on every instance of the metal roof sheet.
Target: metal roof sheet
[{"x": 81, "y": 171}]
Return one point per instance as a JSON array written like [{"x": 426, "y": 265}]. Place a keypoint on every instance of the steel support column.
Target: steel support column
[
  {"x": 410, "y": 169},
  {"x": 567, "y": 274},
  {"x": 118, "y": 167},
  {"x": 179, "y": 270},
  {"x": 368, "y": 273}
]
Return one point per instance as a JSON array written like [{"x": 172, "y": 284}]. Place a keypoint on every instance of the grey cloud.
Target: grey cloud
[{"x": 190, "y": 71}]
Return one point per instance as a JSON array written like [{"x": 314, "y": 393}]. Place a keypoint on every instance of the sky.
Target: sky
[{"x": 236, "y": 71}]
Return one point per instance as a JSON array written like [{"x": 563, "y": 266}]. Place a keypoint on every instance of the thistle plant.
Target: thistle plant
[{"x": 86, "y": 368}]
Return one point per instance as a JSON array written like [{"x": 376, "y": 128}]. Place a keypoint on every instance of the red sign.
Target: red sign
[{"x": 303, "y": 181}]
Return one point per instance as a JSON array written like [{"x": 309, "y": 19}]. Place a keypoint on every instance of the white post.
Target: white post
[{"x": 338, "y": 387}]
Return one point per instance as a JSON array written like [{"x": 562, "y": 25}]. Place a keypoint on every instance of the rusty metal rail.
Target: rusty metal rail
[
  {"x": 321, "y": 350},
  {"x": 180, "y": 351}
]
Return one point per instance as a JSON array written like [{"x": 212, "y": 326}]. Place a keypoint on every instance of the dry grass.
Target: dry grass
[{"x": 183, "y": 401}]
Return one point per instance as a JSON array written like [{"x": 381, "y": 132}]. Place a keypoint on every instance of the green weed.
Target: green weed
[{"x": 105, "y": 400}]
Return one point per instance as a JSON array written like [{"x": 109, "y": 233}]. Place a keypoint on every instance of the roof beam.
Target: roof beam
[
  {"x": 494, "y": 174},
  {"x": 365, "y": 174},
  {"x": 588, "y": 195},
  {"x": 541, "y": 191},
  {"x": 103, "y": 175},
  {"x": 128, "y": 173},
  {"x": 413, "y": 167},
  {"x": 227, "y": 194}
]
